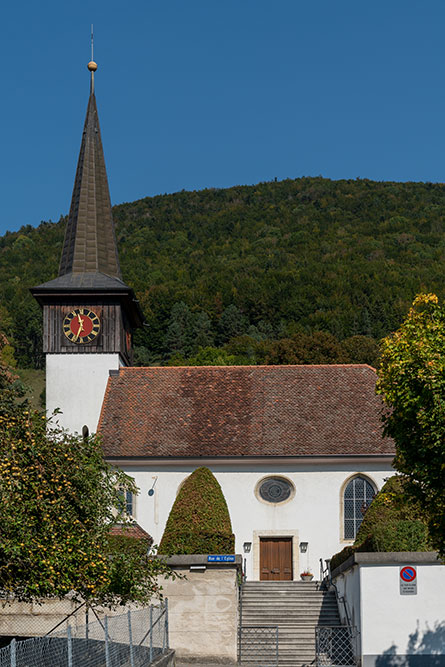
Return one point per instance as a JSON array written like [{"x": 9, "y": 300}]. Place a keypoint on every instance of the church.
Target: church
[{"x": 298, "y": 450}]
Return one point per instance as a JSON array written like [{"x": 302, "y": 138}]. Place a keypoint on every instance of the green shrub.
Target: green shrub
[
  {"x": 188, "y": 542},
  {"x": 341, "y": 557},
  {"x": 393, "y": 522},
  {"x": 199, "y": 521}
]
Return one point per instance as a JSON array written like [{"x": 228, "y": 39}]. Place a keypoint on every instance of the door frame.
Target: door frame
[{"x": 275, "y": 533}]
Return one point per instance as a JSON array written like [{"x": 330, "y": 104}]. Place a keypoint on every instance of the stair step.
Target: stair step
[{"x": 295, "y": 608}]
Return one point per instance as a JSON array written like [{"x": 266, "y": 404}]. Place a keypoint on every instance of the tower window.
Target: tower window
[{"x": 358, "y": 496}]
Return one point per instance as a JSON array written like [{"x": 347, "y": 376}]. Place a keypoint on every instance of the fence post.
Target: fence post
[
  {"x": 151, "y": 632},
  {"x": 276, "y": 646},
  {"x": 69, "y": 640},
  {"x": 130, "y": 638},
  {"x": 166, "y": 624},
  {"x": 107, "y": 647},
  {"x": 13, "y": 653}
]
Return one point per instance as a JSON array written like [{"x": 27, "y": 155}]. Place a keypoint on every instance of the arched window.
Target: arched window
[{"x": 357, "y": 497}]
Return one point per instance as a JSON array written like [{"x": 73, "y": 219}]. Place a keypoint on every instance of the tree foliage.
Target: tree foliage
[
  {"x": 304, "y": 255},
  {"x": 412, "y": 383},
  {"x": 199, "y": 521},
  {"x": 394, "y": 521},
  {"x": 58, "y": 500}
]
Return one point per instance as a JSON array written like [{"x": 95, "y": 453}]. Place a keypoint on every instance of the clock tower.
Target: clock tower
[{"x": 89, "y": 313}]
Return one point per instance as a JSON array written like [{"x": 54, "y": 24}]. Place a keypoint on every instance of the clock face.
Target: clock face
[{"x": 81, "y": 325}]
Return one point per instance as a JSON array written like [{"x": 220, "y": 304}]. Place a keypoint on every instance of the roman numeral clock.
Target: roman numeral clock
[{"x": 81, "y": 326}]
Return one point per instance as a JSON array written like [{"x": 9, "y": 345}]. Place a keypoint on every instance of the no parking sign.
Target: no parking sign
[{"x": 408, "y": 580}]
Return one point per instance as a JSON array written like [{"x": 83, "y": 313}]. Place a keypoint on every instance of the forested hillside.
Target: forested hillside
[{"x": 298, "y": 271}]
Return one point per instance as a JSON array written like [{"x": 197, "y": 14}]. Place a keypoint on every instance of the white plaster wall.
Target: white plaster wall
[
  {"x": 75, "y": 383},
  {"x": 314, "y": 512},
  {"x": 390, "y": 620},
  {"x": 348, "y": 587}
]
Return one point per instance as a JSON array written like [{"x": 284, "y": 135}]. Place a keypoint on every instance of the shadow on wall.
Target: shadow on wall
[{"x": 423, "y": 650}]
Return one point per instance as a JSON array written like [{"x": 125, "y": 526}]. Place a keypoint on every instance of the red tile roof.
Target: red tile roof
[
  {"x": 243, "y": 411},
  {"x": 134, "y": 530}
]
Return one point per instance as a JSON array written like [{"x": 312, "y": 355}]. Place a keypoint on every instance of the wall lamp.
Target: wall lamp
[
  {"x": 247, "y": 547},
  {"x": 303, "y": 547}
]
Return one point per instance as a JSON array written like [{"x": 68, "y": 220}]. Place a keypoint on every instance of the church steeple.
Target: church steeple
[
  {"x": 90, "y": 242},
  {"x": 89, "y": 313}
]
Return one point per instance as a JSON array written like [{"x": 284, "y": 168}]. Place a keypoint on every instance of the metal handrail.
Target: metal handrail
[{"x": 326, "y": 580}]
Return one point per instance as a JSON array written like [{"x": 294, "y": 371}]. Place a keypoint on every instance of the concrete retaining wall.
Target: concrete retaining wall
[
  {"x": 396, "y": 629},
  {"x": 203, "y": 609}
]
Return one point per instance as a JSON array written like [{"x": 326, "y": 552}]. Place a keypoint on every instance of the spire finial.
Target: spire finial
[{"x": 92, "y": 66}]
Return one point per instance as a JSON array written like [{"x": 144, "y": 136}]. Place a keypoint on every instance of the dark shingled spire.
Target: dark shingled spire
[
  {"x": 90, "y": 242},
  {"x": 90, "y": 263}
]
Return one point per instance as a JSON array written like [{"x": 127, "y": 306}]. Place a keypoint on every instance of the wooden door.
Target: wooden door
[{"x": 276, "y": 559}]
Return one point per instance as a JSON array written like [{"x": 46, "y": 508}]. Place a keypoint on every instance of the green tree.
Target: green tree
[
  {"x": 317, "y": 348},
  {"x": 58, "y": 500},
  {"x": 393, "y": 522},
  {"x": 179, "y": 336},
  {"x": 202, "y": 331},
  {"x": 412, "y": 383},
  {"x": 206, "y": 356},
  {"x": 199, "y": 521},
  {"x": 232, "y": 323},
  {"x": 359, "y": 350}
]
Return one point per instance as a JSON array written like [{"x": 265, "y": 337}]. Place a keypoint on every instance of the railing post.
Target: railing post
[
  {"x": 276, "y": 640},
  {"x": 69, "y": 641},
  {"x": 166, "y": 624},
  {"x": 151, "y": 632},
  {"x": 328, "y": 567},
  {"x": 107, "y": 647},
  {"x": 130, "y": 639},
  {"x": 14, "y": 653}
]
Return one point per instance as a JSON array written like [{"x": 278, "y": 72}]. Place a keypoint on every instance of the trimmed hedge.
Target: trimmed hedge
[
  {"x": 199, "y": 521},
  {"x": 392, "y": 523}
]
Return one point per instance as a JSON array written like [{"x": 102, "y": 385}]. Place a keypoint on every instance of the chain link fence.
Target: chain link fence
[
  {"x": 258, "y": 646},
  {"x": 133, "y": 639},
  {"x": 336, "y": 646}
]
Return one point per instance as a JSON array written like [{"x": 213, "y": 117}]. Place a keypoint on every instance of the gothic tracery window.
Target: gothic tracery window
[{"x": 357, "y": 497}]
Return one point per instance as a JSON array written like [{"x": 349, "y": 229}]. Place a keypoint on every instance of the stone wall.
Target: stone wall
[{"x": 203, "y": 609}]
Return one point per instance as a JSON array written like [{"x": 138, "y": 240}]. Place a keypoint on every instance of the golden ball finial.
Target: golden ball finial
[{"x": 92, "y": 66}]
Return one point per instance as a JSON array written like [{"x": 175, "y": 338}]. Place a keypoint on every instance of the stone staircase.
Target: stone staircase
[{"x": 296, "y": 608}]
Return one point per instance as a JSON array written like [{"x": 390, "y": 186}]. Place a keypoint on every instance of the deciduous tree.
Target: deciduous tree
[
  {"x": 412, "y": 383},
  {"x": 58, "y": 500}
]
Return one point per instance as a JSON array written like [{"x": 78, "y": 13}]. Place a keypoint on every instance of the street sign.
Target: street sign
[
  {"x": 221, "y": 559},
  {"x": 408, "y": 580}
]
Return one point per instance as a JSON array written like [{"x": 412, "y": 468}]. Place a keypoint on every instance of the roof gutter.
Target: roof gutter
[{"x": 166, "y": 461}]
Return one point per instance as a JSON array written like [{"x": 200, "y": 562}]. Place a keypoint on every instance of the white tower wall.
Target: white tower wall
[{"x": 75, "y": 383}]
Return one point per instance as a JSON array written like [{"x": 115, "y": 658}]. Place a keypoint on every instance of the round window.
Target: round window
[{"x": 275, "y": 489}]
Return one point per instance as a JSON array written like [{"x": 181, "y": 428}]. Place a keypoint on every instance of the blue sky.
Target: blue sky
[{"x": 214, "y": 93}]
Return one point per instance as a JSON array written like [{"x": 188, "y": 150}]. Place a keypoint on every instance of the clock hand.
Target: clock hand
[{"x": 79, "y": 329}]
